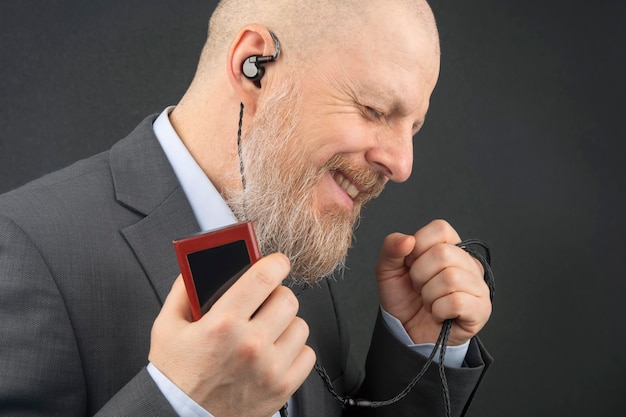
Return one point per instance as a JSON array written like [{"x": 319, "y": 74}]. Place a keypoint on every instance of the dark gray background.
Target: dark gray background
[{"x": 523, "y": 148}]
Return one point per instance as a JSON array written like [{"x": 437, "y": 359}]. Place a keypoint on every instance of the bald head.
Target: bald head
[
  {"x": 331, "y": 122},
  {"x": 345, "y": 57},
  {"x": 305, "y": 27}
]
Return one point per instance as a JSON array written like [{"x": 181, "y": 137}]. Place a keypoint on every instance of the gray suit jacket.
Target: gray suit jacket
[{"x": 86, "y": 261}]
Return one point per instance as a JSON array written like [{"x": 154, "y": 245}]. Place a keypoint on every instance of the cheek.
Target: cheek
[{"x": 338, "y": 135}]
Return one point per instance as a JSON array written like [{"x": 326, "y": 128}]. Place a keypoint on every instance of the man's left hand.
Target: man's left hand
[{"x": 424, "y": 279}]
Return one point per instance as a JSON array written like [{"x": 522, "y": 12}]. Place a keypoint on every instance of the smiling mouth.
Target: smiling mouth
[{"x": 346, "y": 184}]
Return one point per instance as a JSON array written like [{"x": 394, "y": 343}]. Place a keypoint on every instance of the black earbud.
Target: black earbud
[{"x": 251, "y": 66}]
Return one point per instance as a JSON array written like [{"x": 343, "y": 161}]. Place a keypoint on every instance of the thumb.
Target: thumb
[
  {"x": 176, "y": 306},
  {"x": 396, "y": 247}
]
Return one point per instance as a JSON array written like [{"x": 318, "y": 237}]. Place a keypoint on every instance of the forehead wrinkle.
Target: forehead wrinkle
[
  {"x": 340, "y": 83},
  {"x": 391, "y": 95}
]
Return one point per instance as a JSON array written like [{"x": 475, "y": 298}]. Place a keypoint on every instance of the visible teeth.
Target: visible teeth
[{"x": 347, "y": 186}]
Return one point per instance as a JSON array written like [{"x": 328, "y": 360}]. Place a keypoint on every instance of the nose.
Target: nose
[{"x": 392, "y": 155}]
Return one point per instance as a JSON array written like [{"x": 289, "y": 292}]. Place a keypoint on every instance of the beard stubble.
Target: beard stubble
[{"x": 278, "y": 192}]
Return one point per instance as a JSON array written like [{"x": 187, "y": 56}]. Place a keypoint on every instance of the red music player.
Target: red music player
[{"x": 211, "y": 262}]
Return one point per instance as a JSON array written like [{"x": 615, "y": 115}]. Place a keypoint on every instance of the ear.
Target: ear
[{"x": 251, "y": 40}]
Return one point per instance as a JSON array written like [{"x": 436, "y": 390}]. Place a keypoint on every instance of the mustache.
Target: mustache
[{"x": 368, "y": 181}]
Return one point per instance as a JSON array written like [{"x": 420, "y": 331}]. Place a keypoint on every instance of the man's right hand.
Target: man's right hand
[{"x": 247, "y": 355}]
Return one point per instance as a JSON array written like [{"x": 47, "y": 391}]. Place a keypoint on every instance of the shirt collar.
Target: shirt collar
[{"x": 209, "y": 208}]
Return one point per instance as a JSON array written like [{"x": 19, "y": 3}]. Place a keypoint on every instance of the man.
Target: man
[{"x": 94, "y": 319}]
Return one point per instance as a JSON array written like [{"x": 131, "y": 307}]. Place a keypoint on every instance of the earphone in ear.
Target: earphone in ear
[{"x": 251, "y": 66}]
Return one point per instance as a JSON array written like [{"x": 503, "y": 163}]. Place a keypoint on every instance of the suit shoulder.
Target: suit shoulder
[{"x": 52, "y": 191}]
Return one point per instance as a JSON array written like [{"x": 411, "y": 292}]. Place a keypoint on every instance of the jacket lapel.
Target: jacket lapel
[
  {"x": 145, "y": 183},
  {"x": 317, "y": 309}
]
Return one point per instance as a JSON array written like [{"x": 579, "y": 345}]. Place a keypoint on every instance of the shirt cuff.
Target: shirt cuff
[
  {"x": 182, "y": 404},
  {"x": 455, "y": 355}
]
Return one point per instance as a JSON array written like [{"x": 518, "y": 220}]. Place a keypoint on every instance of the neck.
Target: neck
[{"x": 207, "y": 125}]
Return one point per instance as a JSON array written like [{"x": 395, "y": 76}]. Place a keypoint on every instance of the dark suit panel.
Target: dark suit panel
[
  {"x": 86, "y": 261},
  {"x": 69, "y": 252}
]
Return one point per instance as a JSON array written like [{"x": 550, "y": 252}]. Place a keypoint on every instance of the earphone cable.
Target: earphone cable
[
  {"x": 440, "y": 344},
  {"x": 243, "y": 178}
]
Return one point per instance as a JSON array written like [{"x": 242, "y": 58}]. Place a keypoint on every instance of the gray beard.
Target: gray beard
[
  {"x": 279, "y": 189},
  {"x": 278, "y": 193}
]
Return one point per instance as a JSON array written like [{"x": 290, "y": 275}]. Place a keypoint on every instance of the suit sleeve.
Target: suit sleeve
[
  {"x": 391, "y": 366},
  {"x": 140, "y": 397},
  {"x": 40, "y": 363}
]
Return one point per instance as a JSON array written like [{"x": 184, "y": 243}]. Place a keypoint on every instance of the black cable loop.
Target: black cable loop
[
  {"x": 445, "y": 328},
  {"x": 445, "y": 331},
  {"x": 440, "y": 344}
]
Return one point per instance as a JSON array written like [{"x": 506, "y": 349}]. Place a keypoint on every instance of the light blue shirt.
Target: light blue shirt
[{"x": 211, "y": 212}]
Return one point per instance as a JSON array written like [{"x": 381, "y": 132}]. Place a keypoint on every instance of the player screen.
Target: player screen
[{"x": 212, "y": 268}]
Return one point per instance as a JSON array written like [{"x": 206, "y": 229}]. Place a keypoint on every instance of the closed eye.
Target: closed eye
[{"x": 372, "y": 113}]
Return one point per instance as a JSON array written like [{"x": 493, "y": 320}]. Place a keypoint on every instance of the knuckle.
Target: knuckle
[
  {"x": 289, "y": 297},
  {"x": 488, "y": 310},
  {"x": 445, "y": 231},
  {"x": 222, "y": 326},
  {"x": 440, "y": 225},
  {"x": 250, "y": 350},
  {"x": 302, "y": 326},
  {"x": 486, "y": 293},
  {"x": 310, "y": 353},
  {"x": 271, "y": 377},
  {"x": 443, "y": 253},
  {"x": 452, "y": 278},
  {"x": 283, "y": 388},
  {"x": 457, "y": 302}
]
